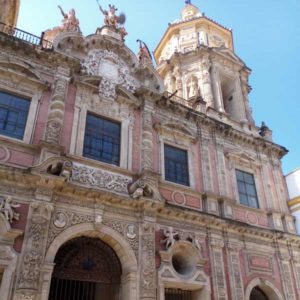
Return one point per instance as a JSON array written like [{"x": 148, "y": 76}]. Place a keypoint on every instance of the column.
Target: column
[
  {"x": 178, "y": 77},
  {"x": 246, "y": 89},
  {"x": 206, "y": 83},
  {"x": 219, "y": 105},
  {"x": 29, "y": 281},
  {"x": 57, "y": 107}
]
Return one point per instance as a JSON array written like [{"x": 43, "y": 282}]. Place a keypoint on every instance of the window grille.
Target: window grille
[
  {"x": 177, "y": 294},
  {"x": 176, "y": 165},
  {"x": 102, "y": 139},
  {"x": 13, "y": 115},
  {"x": 247, "y": 189}
]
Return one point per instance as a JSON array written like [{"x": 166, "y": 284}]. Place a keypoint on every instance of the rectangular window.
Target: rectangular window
[
  {"x": 13, "y": 115},
  {"x": 246, "y": 188},
  {"x": 102, "y": 139},
  {"x": 176, "y": 165}
]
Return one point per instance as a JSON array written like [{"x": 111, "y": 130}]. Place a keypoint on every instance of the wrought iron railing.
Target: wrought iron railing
[{"x": 26, "y": 37}]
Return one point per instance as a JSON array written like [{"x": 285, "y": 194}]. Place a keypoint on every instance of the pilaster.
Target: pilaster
[
  {"x": 29, "y": 281},
  {"x": 206, "y": 82},
  {"x": 57, "y": 107},
  {"x": 218, "y": 272},
  {"x": 147, "y": 136},
  {"x": 148, "y": 286},
  {"x": 236, "y": 283}
]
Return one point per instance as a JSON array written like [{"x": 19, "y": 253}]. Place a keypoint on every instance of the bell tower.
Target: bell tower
[
  {"x": 196, "y": 57},
  {"x": 9, "y": 12}
]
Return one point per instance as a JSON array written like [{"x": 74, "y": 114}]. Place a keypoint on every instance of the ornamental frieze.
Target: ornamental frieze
[{"x": 99, "y": 179}]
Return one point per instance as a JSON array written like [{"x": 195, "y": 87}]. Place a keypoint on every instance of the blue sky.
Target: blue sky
[{"x": 266, "y": 37}]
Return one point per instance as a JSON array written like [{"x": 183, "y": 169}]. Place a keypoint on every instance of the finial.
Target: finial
[{"x": 188, "y": 2}]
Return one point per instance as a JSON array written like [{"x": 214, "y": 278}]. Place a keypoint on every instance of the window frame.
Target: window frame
[
  {"x": 34, "y": 98},
  {"x": 254, "y": 184},
  {"x": 188, "y": 184},
  {"x": 85, "y": 103},
  {"x": 120, "y": 137},
  {"x": 11, "y": 109}
]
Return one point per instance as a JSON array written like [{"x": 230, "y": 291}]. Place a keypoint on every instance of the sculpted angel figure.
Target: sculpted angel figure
[
  {"x": 170, "y": 235},
  {"x": 70, "y": 22},
  {"x": 111, "y": 19},
  {"x": 6, "y": 207}
]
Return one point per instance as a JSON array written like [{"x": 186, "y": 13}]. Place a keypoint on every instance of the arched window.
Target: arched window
[
  {"x": 258, "y": 294},
  {"x": 86, "y": 268}
]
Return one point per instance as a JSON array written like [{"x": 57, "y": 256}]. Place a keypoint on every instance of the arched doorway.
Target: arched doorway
[
  {"x": 86, "y": 268},
  {"x": 258, "y": 294}
]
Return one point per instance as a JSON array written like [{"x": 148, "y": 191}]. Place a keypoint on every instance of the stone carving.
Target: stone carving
[
  {"x": 192, "y": 88},
  {"x": 235, "y": 270},
  {"x": 170, "y": 237},
  {"x": 53, "y": 131},
  {"x": 144, "y": 187},
  {"x": 148, "y": 271},
  {"x": 60, "y": 220},
  {"x": 144, "y": 54},
  {"x": 29, "y": 277},
  {"x": 7, "y": 208},
  {"x": 56, "y": 113},
  {"x": 100, "y": 179},
  {"x": 4, "y": 154},
  {"x": 70, "y": 22},
  {"x": 113, "y": 70},
  {"x": 61, "y": 168},
  {"x": 131, "y": 231},
  {"x": 35, "y": 243},
  {"x": 107, "y": 88},
  {"x": 197, "y": 243}
]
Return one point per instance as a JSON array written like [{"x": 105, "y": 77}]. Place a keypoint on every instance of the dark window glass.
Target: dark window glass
[
  {"x": 102, "y": 140},
  {"x": 13, "y": 115},
  {"x": 177, "y": 294},
  {"x": 176, "y": 165},
  {"x": 247, "y": 190}
]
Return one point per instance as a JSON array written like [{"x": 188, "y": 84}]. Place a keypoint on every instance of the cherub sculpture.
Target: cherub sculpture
[
  {"x": 70, "y": 22},
  {"x": 6, "y": 207},
  {"x": 111, "y": 19},
  {"x": 170, "y": 235}
]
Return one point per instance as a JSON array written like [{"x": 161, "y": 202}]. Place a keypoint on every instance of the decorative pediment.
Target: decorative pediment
[
  {"x": 240, "y": 155},
  {"x": 175, "y": 129},
  {"x": 19, "y": 68}
]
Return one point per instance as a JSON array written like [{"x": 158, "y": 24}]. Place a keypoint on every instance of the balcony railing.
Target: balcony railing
[{"x": 26, "y": 37}]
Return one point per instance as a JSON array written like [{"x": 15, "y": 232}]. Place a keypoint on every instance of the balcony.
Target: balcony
[{"x": 18, "y": 34}]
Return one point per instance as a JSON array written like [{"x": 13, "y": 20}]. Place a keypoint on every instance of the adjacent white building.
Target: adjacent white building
[{"x": 293, "y": 183}]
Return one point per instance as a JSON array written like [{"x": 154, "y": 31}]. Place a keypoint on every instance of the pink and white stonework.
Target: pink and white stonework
[{"x": 196, "y": 240}]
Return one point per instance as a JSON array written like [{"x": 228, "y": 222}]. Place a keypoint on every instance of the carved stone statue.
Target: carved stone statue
[
  {"x": 70, "y": 22},
  {"x": 170, "y": 235},
  {"x": 193, "y": 89},
  {"x": 110, "y": 17},
  {"x": 6, "y": 207}
]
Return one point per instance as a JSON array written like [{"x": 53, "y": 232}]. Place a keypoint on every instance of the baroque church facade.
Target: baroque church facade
[{"x": 124, "y": 181}]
